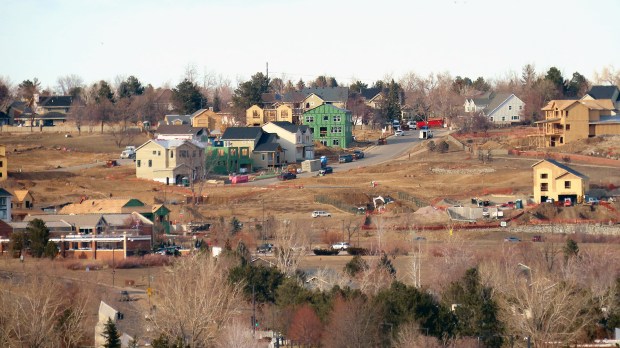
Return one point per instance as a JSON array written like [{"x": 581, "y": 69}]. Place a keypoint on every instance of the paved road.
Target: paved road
[{"x": 373, "y": 155}]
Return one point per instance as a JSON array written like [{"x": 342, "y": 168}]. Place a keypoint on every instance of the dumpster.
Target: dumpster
[{"x": 185, "y": 181}]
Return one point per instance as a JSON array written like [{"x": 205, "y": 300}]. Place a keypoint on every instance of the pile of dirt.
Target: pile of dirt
[
  {"x": 492, "y": 145},
  {"x": 430, "y": 215},
  {"x": 579, "y": 212}
]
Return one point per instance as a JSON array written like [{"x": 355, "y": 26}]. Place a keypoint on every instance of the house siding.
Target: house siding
[
  {"x": 324, "y": 120},
  {"x": 508, "y": 112},
  {"x": 555, "y": 180},
  {"x": 4, "y": 172},
  {"x": 163, "y": 161}
]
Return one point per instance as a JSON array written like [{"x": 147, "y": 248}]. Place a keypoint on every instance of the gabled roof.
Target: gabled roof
[
  {"x": 268, "y": 142},
  {"x": 172, "y": 143},
  {"x": 602, "y": 104},
  {"x": 563, "y": 167},
  {"x": 497, "y": 100},
  {"x": 181, "y": 129},
  {"x": 20, "y": 195},
  {"x": 288, "y": 97},
  {"x": 56, "y": 101},
  {"x": 5, "y": 193},
  {"x": 241, "y": 133},
  {"x": 81, "y": 220},
  {"x": 289, "y": 127},
  {"x": 329, "y": 94},
  {"x": 604, "y": 92},
  {"x": 185, "y": 119},
  {"x": 53, "y": 116},
  {"x": 198, "y": 112},
  {"x": 98, "y": 206},
  {"x": 370, "y": 93}
]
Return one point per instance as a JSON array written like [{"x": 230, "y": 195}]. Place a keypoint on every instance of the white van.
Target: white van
[
  {"x": 320, "y": 213},
  {"x": 426, "y": 134}
]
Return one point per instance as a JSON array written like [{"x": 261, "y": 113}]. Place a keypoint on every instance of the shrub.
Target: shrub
[
  {"x": 431, "y": 145},
  {"x": 357, "y": 251},
  {"x": 356, "y": 265},
  {"x": 325, "y": 252},
  {"x": 443, "y": 147},
  {"x": 78, "y": 265},
  {"x": 151, "y": 260}
]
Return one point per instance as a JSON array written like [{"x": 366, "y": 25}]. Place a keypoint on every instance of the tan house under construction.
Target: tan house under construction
[
  {"x": 170, "y": 161},
  {"x": 569, "y": 120},
  {"x": 3, "y": 163},
  {"x": 554, "y": 180},
  {"x": 256, "y": 116}
]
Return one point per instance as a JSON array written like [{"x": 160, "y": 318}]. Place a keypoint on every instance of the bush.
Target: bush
[
  {"x": 80, "y": 266},
  {"x": 357, "y": 251},
  {"x": 356, "y": 265},
  {"x": 443, "y": 147},
  {"x": 431, "y": 145},
  {"x": 325, "y": 252},
  {"x": 151, "y": 260}
]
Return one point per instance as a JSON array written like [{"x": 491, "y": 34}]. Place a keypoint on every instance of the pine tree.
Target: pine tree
[
  {"x": 39, "y": 235},
  {"x": 111, "y": 335}
]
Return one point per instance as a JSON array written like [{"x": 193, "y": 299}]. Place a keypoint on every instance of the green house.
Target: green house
[
  {"x": 225, "y": 160},
  {"x": 331, "y": 126}
]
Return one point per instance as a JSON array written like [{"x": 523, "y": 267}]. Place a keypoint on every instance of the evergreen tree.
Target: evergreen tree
[
  {"x": 300, "y": 85},
  {"x": 130, "y": 87},
  {"x": 571, "y": 249},
  {"x": 104, "y": 92},
  {"x": 18, "y": 241},
  {"x": 51, "y": 250},
  {"x": 476, "y": 311},
  {"x": 111, "y": 335},
  {"x": 187, "y": 97},
  {"x": 250, "y": 92},
  {"x": 555, "y": 77},
  {"x": 385, "y": 263},
  {"x": 356, "y": 265},
  {"x": 576, "y": 86},
  {"x": 391, "y": 104},
  {"x": 39, "y": 235},
  {"x": 217, "y": 100}
]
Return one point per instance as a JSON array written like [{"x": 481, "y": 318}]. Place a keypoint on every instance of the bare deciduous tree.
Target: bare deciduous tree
[
  {"x": 237, "y": 334},
  {"x": 195, "y": 301},
  {"x": 353, "y": 323},
  {"x": 291, "y": 244}
]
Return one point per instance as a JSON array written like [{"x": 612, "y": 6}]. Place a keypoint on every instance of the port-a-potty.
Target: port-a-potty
[
  {"x": 185, "y": 181},
  {"x": 519, "y": 204}
]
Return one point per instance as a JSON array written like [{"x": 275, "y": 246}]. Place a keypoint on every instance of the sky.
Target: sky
[{"x": 156, "y": 40}]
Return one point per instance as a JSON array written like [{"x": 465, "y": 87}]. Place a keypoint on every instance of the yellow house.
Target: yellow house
[
  {"x": 570, "y": 120},
  {"x": 3, "y": 163},
  {"x": 23, "y": 199},
  {"x": 204, "y": 118},
  {"x": 170, "y": 161},
  {"x": 256, "y": 116},
  {"x": 554, "y": 180}
]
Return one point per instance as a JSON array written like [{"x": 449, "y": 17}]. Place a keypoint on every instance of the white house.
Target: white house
[
  {"x": 500, "y": 108},
  {"x": 296, "y": 141}
]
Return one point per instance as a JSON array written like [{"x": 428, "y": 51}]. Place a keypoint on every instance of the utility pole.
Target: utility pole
[
  {"x": 253, "y": 312},
  {"x": 267, "y": 70}
]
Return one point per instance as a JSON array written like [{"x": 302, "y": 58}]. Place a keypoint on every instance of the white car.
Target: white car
[
  {"x": 341, "y": 246},
  {"x": 131, "y": 154},
  {"x": 320, "y": 213},
  {"x": 399, "y": 133}
]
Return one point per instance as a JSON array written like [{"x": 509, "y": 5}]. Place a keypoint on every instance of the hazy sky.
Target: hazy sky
[{"x": 367, "y": 40}]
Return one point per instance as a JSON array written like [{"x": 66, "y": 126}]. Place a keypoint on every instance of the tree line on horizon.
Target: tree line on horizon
[{"x": 129, "y": 100}]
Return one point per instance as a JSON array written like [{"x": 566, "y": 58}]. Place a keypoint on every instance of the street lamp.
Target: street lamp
[{"x": 113, "y": 263}]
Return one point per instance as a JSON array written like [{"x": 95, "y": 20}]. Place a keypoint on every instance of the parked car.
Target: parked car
[
  {"x": 320, "y": 213},
  {"x": 341, "y": 246},
  {"x": 358, "y": 154},
  {"x": 593, "y": 200},
  {"x": 326, "y": 170},
  {"x": 512, "y": 239},
  {"x": 264, "y": 248},
  {"x": 382, "y": 141},
  {"x": 537, "y": 238},
  {"x": 345, "y": 158},
  {"x": 287, "y": 176},
  {"x": 419, "y": 238},
  {"x": 128, "y": 154},
  {"x": 412, "y": 125},
  {"x": 399, "y": 133}
]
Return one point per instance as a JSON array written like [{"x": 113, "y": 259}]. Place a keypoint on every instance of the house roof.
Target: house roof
[
  {"x": 604, "y": 92},
  {"x": 370, "y": 93},
  {"x": 602, "y": 104},
  {"x": 81, "y": 220},
  {"x": 185, "y": 119},
  {"x": 329, "y": 94},
  {"x": 563, "y": 167},
  {"x": 607, "y": 120},
  {"x": 241, "y": 133},
  {"x": 268, "y": 142},
  {"x": 172, "y": 143},
  {"x": 20, "y": 195},
  {"x": 288, "y": 97},
  {"x": 53, "y": 116},
  {"x": 497, "y": 100},
  {"x": 181, "y": 129},
  {"x": 5, "y": 193},
  {"x": 52, "y": 224},
  {"x": 98, "y": 206},
  {"x": 56, "y": 101},
  {"x": 121, "y": 219},
  {"x": 289, "y": 126}
]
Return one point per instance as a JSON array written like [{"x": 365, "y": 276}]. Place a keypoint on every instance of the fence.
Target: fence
[
  {"x": 336, "y": 203},
  {"x": 404, "y": 196}
]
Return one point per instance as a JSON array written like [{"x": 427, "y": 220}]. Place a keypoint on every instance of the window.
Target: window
[
  {"x": 150, "y": 163},
  {"x": 515, "y": 118},
  {"x": 1, "y": 164},
  {"x": 138, "y": 162},
  {"x": 284, "y": 114},
  {"x": 154, "y": 152},
  {"x": 262, "y": 156},
  {"x": 244, "y": 152},
  {"x": 194, "y": 153},
  {"x": 171, "y": 154},
  {"x": 337, "y": 129},
  {"x": 567, "y": 184},
  {"x": 255, "y": 114},
  {"x": 337, "y": 118},
  {"x": 158, "y": 153},
  {"x": 220, "y": 152},
  {"x": 544, "y": 187},
  {"x": 324, "y": 142},
  {"x": 309, "y": 119},
  {"x": 503, "y": 118},
  {"x": 3, "y": 202},
  {"x": 233, "y": 152},
  {"x": 509, "y": 107},
  {"x": 520, "y": 107},
  {"x": 568, "y": 127},
  {"x": 325, "y": 118},
  {"x": 491, "y": 119},
  {"x": 336, "y": 142},
  {"x": 544, "y": 176}
]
